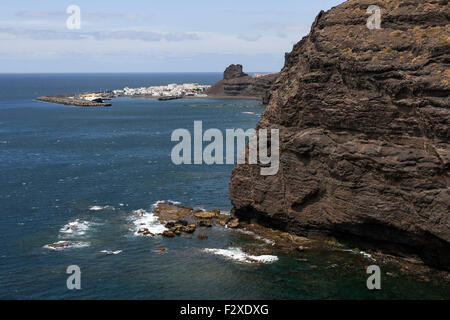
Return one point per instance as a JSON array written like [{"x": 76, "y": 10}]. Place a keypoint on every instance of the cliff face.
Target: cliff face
[
  {"x": 236, "y": 83},
  {"x": 364, "y": 132}
]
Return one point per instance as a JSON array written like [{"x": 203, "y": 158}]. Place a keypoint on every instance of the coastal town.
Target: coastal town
[
  {"x": 100, "y": 99},
  {"x": 235, "y": 84},
  {"x": 171, "y": 90}
]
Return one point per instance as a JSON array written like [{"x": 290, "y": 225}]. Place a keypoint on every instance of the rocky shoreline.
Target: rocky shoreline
[
  {"x": 364, "y": 134},
  {"x": 182, "y": 221},
  {"x": 235, "y": 85}
]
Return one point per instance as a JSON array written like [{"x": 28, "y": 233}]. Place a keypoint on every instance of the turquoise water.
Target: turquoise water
[{"x": 59, "y": 162}]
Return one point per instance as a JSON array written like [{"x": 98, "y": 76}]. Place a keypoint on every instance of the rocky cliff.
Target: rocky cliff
[
  {"x": 236, "y": 83},
  {"x": 364, "y": 133}
]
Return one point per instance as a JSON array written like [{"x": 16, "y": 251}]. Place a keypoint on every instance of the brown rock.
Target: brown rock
[
  {"x": 205, "y": 223},
  {"x": 222, "y": 223},
  {"x": 205, "y": 214},
  {"x": 182, "y": 222},
  {"x": 170, "y": 225},
  {"x": 234, "y": 223},
  {"x": 168, "y": 234},
  {"x": 59, "y": 245},
  {"x": 189, "y": 229},
  {"x": 234, "y": 71},
  {"x": 236, "y": 83},
  {"x": 142, "y": 230},
  {"x": 169, "y": 212},
  {"x": 202, "y": 237},
  {"x": 364, "y": 133}
]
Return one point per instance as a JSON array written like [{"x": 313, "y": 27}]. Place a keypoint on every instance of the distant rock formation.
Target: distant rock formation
[
  {"x": 364, "y": 133},
  {"x": 234, "y": 71},
  {"x": 236, "y": 83}
]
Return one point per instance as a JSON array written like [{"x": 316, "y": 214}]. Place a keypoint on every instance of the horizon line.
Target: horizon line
[{"x": 129, "y": 72}]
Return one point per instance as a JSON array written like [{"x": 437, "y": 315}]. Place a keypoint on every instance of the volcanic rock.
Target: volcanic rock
[
  {"x": 234, "y": 71},
  {"x": 364, "y": 133},
  {"x": 236, "y": 83},
  {"x": 59, "y": 245}
]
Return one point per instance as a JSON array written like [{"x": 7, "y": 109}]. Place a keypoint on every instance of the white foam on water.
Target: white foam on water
[
  {"x": 76, "y": 228},
  {"x": 79, "y": 244},
  {"x": 252, "y": 113},
  {"x": 165, "y": 201},
  {"x": 95, "y": 208},
  {"x": 99, "y": 208},
  {"x": 147, "y": 220},
  {"x": 236, "y": 254},
  {"x": 362, "y": 253},
  {"x": 258, "y": 237},
  {"x": 108, "y": 252}
]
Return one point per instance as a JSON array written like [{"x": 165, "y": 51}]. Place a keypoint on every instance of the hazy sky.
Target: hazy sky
[{"x": 152, "y": 36}]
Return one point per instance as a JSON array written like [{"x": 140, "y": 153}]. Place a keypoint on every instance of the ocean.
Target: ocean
[{"x": 62, "y": 165}]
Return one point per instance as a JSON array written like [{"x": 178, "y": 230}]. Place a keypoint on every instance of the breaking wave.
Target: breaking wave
[
  {"x": 147, "y": 220},
  {"x": 236, "y": 254},
  {"x": 254, "y": 235},
  {"x": 366, "y": 255},
  {"x": 70, "y": 245},
  {"x": 99, "y": 208},
  {"x": 76, "y": 228},
  {"x": 108, "y": 252}
]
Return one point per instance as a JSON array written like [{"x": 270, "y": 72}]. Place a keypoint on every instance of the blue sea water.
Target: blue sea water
[{"x": 58, "y": 163}]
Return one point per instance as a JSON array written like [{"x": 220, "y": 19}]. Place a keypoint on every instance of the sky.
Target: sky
[{"x": 152, "y": 36}]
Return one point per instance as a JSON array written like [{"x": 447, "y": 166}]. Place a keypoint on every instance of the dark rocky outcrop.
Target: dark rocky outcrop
[
  {"x": 364, "y": 133},
  {"x": 234, "y": 71},
  {"x": 237, "y": 84}
]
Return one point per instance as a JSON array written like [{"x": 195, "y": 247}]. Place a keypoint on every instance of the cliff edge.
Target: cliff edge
[{"x": 364, "y": 133}]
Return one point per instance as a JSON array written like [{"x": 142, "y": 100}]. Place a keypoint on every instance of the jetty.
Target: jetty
[{"x": 76, "y": 100}]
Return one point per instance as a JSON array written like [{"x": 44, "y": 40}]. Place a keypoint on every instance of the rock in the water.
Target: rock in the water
[
  {"x": 168, "y": 234},
  {"x": 233, "y": 223},
  {"x": 170, "y": 224},
  {"x": 206, "y": 214},
  {"x": 182, "y": 222},
  {"x": 202, "y": 237},
  {"x": 145, "y": 232},
  {"x": 205, "y": 223},
  {"x": 364, "y": 133},
  {"x": 59, "y": 245},
  {"x": 189, "y": 228}
]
